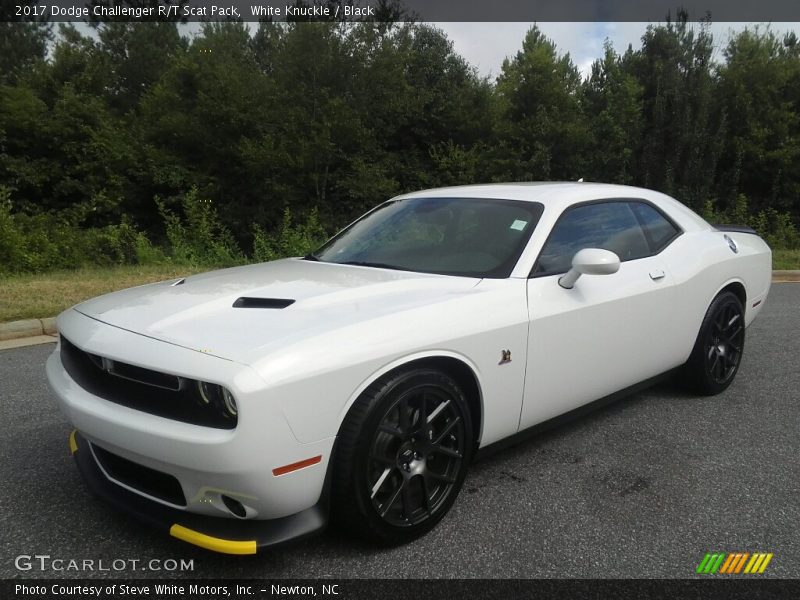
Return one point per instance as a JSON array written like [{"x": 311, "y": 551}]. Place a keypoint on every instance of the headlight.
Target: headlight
[
  {"x": 230, "y": 402},
  {"x": 205, "y": 392},
  {"x": 211, "y": 394}
]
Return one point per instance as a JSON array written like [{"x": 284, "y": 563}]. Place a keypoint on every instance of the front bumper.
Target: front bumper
[
  {"x": 219, "y": 534},
  {"x": 278, "y": 481},
  {"x": 207, "y": 462}
]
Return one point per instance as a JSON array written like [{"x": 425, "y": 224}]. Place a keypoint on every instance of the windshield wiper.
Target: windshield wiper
[
  {"x": 377, "y": 265},
  {"x": 311, "y": 256}
]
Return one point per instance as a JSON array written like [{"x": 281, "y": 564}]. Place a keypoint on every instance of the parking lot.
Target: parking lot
[{"x": 642, "y": 488}]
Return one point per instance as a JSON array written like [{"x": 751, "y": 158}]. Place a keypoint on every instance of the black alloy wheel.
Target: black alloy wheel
[
  {"x": 402, "y": 456},
  {"x": 718, "y": 350},
  {"x": 415, "y": 455},
  {"x": 724, "y": 343}
]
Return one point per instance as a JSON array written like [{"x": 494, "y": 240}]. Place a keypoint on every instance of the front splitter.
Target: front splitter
[{"x": 219, "y": 534}]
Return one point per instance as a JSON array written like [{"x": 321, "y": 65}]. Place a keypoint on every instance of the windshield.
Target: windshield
[{"x": 471, "y": 237}]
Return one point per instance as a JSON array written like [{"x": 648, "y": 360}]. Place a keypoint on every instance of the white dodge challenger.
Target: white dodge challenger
[{"x": 238, "y": 409}]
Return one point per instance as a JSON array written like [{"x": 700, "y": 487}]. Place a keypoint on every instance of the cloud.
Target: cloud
[{"x": 486, "y": 45}]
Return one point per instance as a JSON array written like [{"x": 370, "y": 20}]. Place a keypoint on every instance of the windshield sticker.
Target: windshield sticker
[{"x": 518, "y": 225}]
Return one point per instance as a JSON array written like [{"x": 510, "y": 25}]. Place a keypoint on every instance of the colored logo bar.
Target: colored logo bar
[{"x": 733, "y": 563}]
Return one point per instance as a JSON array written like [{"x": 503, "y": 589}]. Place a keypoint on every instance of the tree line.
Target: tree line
[{"x": 140, "y": 144}]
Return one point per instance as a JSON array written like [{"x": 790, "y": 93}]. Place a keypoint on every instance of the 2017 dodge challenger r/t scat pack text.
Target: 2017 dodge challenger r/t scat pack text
[{"x": 242, "y": 408}]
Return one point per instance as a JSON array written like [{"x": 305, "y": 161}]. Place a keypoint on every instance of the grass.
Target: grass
[
  {"x": 786, "y": 259},
  {"x": 47, "y": 294}
]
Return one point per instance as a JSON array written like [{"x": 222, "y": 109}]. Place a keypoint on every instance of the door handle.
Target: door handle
[{"x": 657, "y": 274}]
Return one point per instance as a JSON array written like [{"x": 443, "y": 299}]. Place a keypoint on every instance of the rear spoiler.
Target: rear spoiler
[{"x": 735, "y": 228}]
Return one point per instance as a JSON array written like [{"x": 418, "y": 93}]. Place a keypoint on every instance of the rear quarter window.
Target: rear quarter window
[{"x": 659, "y": 230}]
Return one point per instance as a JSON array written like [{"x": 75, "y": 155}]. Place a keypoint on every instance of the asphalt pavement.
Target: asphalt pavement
[{"x": 642, "y": 488}]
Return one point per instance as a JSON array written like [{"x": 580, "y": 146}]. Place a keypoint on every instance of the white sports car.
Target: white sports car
[{"x": 238, "y": 409}]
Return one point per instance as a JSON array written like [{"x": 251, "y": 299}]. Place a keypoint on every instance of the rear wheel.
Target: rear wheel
[
  {"x": 402, "y": 455},
  {"x": 718, "y": 350}
]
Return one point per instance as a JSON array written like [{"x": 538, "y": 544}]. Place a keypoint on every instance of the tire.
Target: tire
[
  {"x": 397, "y": 472},
  {"x": 717, "y": 353}
]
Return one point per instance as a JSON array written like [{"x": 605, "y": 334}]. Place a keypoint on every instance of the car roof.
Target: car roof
[
  {"x": 546, "y": 192},
  {"x": 560, "y": 194}
]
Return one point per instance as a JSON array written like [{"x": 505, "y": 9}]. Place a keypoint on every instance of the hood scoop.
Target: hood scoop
[{"x": 245, "y": 302}]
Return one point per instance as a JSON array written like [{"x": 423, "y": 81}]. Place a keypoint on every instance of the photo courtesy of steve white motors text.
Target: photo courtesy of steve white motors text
[{"x": 171, "y": 589}]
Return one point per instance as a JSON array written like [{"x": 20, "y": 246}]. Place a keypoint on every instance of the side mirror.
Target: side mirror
[{"x": 589, "y": 261}]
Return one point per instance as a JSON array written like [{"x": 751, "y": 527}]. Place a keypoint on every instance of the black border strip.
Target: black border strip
[
  {"x": 403, "y": 10},
  {"x": 709, "y": 587}
]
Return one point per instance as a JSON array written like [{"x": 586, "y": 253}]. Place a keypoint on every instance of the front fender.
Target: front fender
[{"x": 329, "y": 372}]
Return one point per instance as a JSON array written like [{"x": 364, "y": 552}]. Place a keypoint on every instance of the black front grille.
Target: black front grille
[
  {"x": 142, "y": 389},
  {"x": 137, "y": 374},
  {"x": 144, "y": 479}
]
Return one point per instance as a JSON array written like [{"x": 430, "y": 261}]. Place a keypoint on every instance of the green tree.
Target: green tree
[
  {"x": 22, "y": 45},
  {"x": 760, "y": 89},
  {"x": 136, "y": 55},
  {"x": 61, "y": 146},
  {"x": 683, "y": 133},
  {"x": 198, "y": 123},
  {"x": 612, "y": 103},
  {"x": 542, "y": 131}
]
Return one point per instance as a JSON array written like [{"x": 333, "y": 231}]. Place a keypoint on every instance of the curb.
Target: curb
[
  {"x": 785, "y": 276},
  {"x": 27, "y": 328},
  {"x": 28, "y": 341}
]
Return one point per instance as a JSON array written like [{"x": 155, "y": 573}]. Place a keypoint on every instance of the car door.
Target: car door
[{"x": 604, "y": 334}]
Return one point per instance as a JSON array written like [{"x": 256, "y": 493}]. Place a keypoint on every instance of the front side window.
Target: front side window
[
  {"x": 470, "y": 237},
  {"x": 608, "y": 225}
]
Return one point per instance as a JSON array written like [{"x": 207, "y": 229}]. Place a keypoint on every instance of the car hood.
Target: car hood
[{"x": 199, "y": 313}]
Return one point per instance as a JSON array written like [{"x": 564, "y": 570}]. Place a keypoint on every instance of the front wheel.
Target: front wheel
[
  {"x": 718, "y": 350},
  {"x": 402, "y": 455}
]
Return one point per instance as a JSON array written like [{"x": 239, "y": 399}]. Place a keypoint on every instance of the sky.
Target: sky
[{"x": 485, "y": 45}]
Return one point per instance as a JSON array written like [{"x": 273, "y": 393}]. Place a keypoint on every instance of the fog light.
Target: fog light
[{"x": 234, "y": 506}]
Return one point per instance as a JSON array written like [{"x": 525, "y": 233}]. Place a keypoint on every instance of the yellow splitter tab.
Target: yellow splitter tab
[{"x": 212, "y": 543}]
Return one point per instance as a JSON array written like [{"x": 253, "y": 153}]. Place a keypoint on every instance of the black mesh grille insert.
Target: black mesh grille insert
[
  {"x": 146, "y": 376},
  {"x": 141, "y": 389},
  {"x": 144, "y": 479}
]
